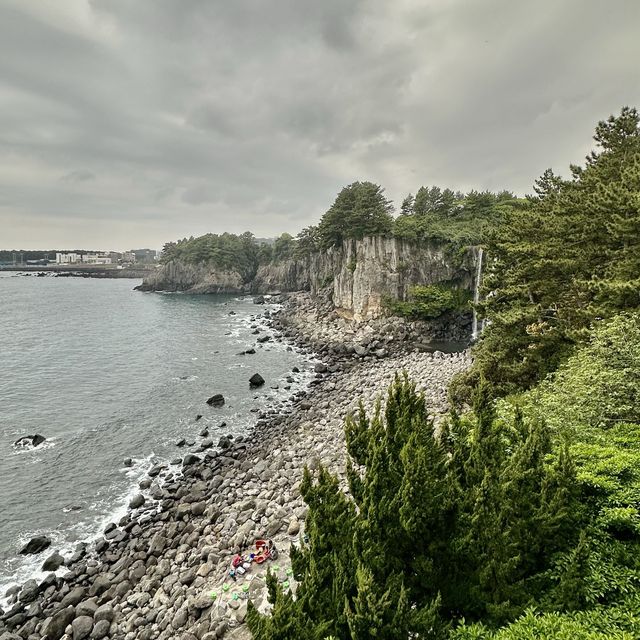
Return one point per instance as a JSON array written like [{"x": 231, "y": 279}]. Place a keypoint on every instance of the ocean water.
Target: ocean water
[{"x": 105, "y": 373}]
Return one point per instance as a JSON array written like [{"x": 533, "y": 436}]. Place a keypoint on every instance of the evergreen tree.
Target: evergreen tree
[
  {"x": 571, "y": 257},
  {"x": 360, "y": 209}
]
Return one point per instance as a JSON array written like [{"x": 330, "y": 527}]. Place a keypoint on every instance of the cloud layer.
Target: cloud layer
[{"x": 129, "y": 122}]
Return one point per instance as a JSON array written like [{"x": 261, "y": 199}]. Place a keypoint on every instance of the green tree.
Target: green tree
[
  {"x": 571, "y": 257},
  {"x": 360, "y": 209}
]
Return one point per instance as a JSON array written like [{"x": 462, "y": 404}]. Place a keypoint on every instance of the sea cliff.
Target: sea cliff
[{"x": 358, "y": 275}]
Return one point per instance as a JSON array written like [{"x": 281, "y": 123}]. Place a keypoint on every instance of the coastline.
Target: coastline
[{"x": 153, "y": 575}]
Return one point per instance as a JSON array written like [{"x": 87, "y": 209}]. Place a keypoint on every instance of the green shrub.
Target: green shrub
[{"x": 430, "y": 301}]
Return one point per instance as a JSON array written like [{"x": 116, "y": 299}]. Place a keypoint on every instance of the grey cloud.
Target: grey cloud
[
  {"x": 81, "y": 175},
  {"x": 209, "y": 115}
]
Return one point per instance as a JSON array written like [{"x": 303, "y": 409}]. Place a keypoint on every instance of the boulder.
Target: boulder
[
  {"x": 263, "y": 339},
  {"x": 30, "y": 441},
  {"x": 101, "y": 629},
  {"x": 54, "y": 629},
  {"x": 224, "y": 442},
  {"x": 53, "y": 562},
  {"x": 35, "y": 545},
  {"x": 105, "y": 612},
  {"x": 29, "y": 591},
  {"x": 216, "y": 400},
  {"x": 190, "y": 459},
  {"x": 137, "y": 501},
  {"x": 258, "y": 300},
  {"x": 82, "y": 627},
  {"x": 320, "y": 367},
  {"x": 128, "y": 462},
  {"x": 256, "y": 380}
]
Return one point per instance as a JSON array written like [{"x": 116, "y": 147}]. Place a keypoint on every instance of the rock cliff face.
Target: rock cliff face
[
  {"x": 361, "y": 273},
  {"x": 201, "y": 278}
]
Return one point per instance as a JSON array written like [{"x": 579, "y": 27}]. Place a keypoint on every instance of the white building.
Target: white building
[
  {"x": 68, "y": 258},
  {"x": 83, "y": 258}
]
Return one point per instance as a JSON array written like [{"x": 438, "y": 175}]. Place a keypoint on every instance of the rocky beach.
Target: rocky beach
[{"x": 162, "y": 571}]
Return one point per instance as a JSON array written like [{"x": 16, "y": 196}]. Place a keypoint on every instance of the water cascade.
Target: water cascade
[{"x": 476, "y": 294}]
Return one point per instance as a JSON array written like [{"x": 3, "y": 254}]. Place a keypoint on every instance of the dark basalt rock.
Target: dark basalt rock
[
  {"x": 30, "y": 441},
  {"x": 256, "y": 380},
  {"x": 190, "y": 459},
  {"x": 216, "y": 400},
  {"x": 35, "y": 545}
]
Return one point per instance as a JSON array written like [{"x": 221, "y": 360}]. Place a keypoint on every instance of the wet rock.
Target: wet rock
[
  {"x": 263, "y": 339},
  {"x": 35, "y": 545},
  {"x": 30, "y": 441},
  {"x": 258, "y": 300},
  {"x": 53, "y": 562},
  {"x": 137, "y": 501},
  {"x": 190, "y": 459},
  {"x": 256, "y": 380},
  {"x": 216, "y": 400},
  {"x": 320, "y": 367},
  {"x": 224, "y": 442},
  {"x": 29, "y": 592}
]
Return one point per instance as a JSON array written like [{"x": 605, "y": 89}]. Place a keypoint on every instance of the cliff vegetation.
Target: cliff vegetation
[{"x": 520, "y": 516}]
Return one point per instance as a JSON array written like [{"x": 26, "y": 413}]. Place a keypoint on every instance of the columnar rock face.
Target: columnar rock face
[
  {"x": 199, "y": 278},
  {"x": 361, "y": 272}
]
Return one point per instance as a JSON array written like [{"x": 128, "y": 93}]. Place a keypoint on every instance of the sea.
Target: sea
[{"x": 106, "y": 373}]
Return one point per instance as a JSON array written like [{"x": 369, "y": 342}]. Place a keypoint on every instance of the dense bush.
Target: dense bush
[
  {"x": 430, "y": 301},
  {"x": 467, "y": 525}
]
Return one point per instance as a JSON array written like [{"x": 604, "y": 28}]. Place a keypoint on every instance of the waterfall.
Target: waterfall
[{"x": 476, "y": 294}]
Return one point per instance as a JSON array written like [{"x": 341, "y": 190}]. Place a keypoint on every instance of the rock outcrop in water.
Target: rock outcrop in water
[
  {"x": 30, "y": 441},
  {"x": 360, "y": 273}
]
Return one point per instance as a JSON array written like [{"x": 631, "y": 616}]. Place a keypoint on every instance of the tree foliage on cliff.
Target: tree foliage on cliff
[
  {"x": 453, "y": 218},
  {"x": 360, "y": 209},
  {"x": 570, "y": 258},
  {"x": 226, "y": 251}
]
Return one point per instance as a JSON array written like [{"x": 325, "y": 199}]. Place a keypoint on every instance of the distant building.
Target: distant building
[
  {"x": 96, "y": 258},
  {"x": 128, "y": 257},
  {"x": 68, "y": 258},
  {"x": 144, "y": 256},
  {"x": 83, "y": 258}
]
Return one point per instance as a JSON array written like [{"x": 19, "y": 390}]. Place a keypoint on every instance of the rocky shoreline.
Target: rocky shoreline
[{"x": 162, "y": 571}]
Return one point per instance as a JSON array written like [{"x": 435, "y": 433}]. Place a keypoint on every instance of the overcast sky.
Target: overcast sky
[{"x": 133, "y": 122}]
